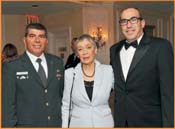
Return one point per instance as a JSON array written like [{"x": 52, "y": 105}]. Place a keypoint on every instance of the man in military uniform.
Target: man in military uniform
[{"x": 32, "y": 85}]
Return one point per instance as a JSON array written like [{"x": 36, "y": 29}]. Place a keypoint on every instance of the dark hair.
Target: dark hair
[
  {"x": 139, "y": 11},
  {"x": 37, "y": 26},
  {"x": 9, "y": 51},
  {"x": 87, "y": 37},
  {"x": 74, "y": 40}
]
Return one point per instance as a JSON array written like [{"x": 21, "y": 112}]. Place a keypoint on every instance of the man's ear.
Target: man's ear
[
  {"x": 95, "y": 50},
  {"x": 47, "y": 41},
  {"x": 24, "y": 40},
  {"x": 143, "y": 23}
]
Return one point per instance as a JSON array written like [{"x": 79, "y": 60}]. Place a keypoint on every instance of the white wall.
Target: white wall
[
  {"x": 13, "y": 30},
  {"x": 100, "y": 16},
  {"x": 59, "y": 42}
]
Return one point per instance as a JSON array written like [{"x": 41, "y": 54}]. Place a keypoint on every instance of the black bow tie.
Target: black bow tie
[{"x": 133, "y": 44}]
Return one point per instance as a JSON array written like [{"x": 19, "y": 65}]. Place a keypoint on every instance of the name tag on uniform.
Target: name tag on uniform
[{"x": 22, "y": 75}]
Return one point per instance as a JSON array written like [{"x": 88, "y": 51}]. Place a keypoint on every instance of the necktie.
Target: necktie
[
  {"x": 41, "y": 72},
  {"x": 133, "y": 44}
]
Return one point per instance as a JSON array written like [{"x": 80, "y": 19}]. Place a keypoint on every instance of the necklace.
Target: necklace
[{"x": 86, "y": 74}]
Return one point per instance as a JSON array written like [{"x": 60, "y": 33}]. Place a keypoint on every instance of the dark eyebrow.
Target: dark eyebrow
[
  {"x": 41, "y": 35},
  {"x": 31, "y": 34}
]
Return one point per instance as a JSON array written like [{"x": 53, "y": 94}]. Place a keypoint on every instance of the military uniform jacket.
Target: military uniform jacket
[{"x": 25, "y": 101}]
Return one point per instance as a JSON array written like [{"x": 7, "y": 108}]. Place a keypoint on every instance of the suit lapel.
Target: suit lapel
[
  {"x": 117, "y": 60},
  {"x": 140, "y": 52},
  {"x": 27, "y": 64},
  {"x": 50, "y": 66},
  {"x": 79, "y": 81},
  {"x": 97, "y": 80},
  {"x": 119, "y": 67}
]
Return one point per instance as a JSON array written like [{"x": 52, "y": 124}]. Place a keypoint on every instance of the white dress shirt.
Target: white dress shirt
[
  {"x": 126, "y": 57},
  {"x": 33, "y": 59}
]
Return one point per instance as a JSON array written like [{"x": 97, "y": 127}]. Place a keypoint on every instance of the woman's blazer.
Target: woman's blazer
[{"x": 86, "y": 113}]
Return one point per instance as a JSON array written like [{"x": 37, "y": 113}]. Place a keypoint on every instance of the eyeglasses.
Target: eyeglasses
[{"x": 132, "y": 20}]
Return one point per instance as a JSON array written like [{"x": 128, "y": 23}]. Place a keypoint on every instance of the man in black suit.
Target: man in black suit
[
  {"x": 143, "y": 70},
  {"x": 72, "y": 60},
  {"x": 32, "y": 85}
]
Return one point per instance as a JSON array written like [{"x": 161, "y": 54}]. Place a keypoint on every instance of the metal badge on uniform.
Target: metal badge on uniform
[
  {"x": 22, "y": 75},
  {"x": 58, "y": 74}
]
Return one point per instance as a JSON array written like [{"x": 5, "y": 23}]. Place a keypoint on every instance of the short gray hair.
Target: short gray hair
[{"x": 87, "y": 37}]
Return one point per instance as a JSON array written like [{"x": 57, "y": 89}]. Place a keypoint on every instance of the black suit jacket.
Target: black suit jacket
[
  {"x": 145, "y": 99},
  {"x": 71, "y": 62},
  {"x": 25, "y": 101}
]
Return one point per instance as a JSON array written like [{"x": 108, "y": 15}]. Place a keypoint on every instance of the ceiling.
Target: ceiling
[
  {"x": 151, "y": 7},
  {"x": 46, "y": 7},
  {"x": 43, "y": 7}
]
